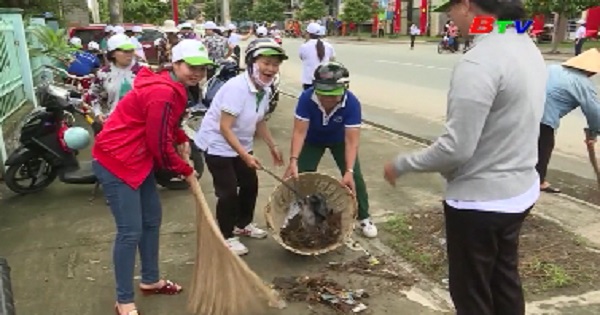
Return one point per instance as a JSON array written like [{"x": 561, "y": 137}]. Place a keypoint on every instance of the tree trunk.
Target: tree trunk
[
  {"x": 560, "y": 29},
  {"x": 116, "y": 11}
]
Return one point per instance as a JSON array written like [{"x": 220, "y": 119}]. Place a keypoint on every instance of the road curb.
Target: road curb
[{"x": 426, "y": 142}]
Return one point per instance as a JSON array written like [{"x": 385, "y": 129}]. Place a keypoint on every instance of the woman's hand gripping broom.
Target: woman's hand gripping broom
[{"x": 222, "y": 283}]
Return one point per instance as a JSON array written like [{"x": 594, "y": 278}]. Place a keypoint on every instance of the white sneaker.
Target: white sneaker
[
  {"x": 236, "y": 246},
  {"x": 368, "y": 228},
  {"x": 250, "y": 231}
]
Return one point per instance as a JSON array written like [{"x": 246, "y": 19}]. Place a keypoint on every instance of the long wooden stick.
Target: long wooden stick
[{"x": 592, "y": 154}]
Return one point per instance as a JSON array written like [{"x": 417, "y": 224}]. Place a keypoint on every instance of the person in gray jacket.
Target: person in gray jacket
[
  {"x": 569, "y": 86},
  {"x": 487, "y": 156}
]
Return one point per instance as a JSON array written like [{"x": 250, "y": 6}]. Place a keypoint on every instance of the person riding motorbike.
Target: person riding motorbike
[
  {"x": 186, "y": 31},
  {"x": 234, "y": 39},
  {"x": 83, "y": 63},
  {"x": 262, "y": 32},
  {"x": 217, "y": 45}
]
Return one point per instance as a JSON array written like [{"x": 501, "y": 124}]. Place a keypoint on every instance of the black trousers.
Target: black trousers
[
  {"x": 412, "y": 41},
  {"x": 483, "y": 261},
  {"x": 545, "y": 148},
  {"x": 579, "y": 46},
  {"x": 235, "y": 207}
]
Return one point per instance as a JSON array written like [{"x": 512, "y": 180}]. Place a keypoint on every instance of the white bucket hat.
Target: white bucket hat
[
  {"x": 169, "y": 27},
  {"x": 119, "y": 29},
  {"x": 210, "y": 25},
  {"x": 192, "y": 52},
  {"x": 119, "y": 41},
  {"x": 137, "y": 29},
  {"x": 313, "y": 28}
]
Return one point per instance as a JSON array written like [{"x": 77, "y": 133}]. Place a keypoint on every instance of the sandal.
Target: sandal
[
  {"x": 170, "y": 288},
  {"x": 550, "y": 190},
  {"x": 132, "y": 312}
]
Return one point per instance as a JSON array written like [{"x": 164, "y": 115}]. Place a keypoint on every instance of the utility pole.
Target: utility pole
[
  {"x": 225, "y": 15},
  {"x": 95, "y": 8}
]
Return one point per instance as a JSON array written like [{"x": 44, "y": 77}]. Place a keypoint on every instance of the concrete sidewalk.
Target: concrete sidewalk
[{"x": 59, "y": 245}]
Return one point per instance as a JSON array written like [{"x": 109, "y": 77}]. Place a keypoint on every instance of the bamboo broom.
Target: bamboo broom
[{"x": 222, "y": 283}]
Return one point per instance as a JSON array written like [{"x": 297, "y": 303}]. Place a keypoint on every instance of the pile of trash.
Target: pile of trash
[
  {"x": 321, "y": 290},
  {"x": 311, "y": 224}
]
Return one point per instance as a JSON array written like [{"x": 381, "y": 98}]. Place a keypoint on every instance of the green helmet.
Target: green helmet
[{"x": 331, "y": 78}]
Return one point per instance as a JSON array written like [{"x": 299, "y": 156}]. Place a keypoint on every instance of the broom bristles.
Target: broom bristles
[{"x": 222, "y": 283}]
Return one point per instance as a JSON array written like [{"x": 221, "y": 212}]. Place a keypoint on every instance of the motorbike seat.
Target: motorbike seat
[{"x": 84, "y": 174}]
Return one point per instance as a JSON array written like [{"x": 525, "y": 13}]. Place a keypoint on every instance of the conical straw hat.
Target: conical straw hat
[{"x": 587, "y": 61}]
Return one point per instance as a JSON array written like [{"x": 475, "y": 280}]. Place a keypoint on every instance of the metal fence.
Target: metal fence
[{"x": 17, "y": 77}]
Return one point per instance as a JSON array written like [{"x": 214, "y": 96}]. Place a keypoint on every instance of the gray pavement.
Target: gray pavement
[
  {"x": 406, "y": 90},
  {"x": 59, "y": 245}
]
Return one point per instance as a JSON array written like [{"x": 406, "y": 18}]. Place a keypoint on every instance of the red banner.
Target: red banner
[
  {"x": 175, "y": 11},
  {"x": 375, "y": 27},
  {"x": 423, "y": 16},
  {"x": 397, "y": 11}
]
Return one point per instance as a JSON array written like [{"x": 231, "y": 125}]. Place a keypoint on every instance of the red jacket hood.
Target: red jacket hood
[{"x": 147, "y": 78}]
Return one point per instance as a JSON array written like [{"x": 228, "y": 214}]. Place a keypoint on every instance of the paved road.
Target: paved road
[{"x": 406, "y": 90}]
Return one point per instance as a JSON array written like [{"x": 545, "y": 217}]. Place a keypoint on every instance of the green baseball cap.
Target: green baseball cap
[
  {"x": 335, "y": 92},
  {"x": 192, "y": 52}
]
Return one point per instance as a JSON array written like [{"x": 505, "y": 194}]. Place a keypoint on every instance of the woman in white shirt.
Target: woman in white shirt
[
  {"x": 227, "y": 134},
  {"x": 234, "y": 38},
  {"x": 313, "y": 53}
]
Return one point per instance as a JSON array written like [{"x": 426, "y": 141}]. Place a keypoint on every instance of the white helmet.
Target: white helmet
[
  {"x": 75, "y": 42},
  {"x": 262, "y": 31},
  {"x": 263, "y": 46},
  {"x": 93, "y": 46}
]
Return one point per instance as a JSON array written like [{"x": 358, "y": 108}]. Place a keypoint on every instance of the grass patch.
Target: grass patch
[{"x": 553, "y": 261}]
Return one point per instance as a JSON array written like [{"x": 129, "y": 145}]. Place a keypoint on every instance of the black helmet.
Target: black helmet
[
  {"x": 265, "y": 47},
  {"x": 331, "y": 78}
]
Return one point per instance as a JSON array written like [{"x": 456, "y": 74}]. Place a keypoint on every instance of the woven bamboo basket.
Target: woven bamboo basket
[{"x": 339, "y": 198}]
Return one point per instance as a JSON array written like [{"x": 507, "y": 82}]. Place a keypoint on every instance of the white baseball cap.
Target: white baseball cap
[
  {"x": 93, "y": 46},
  {"x": 119, "y": 41},
  {"x": 137, "y": 29},
  {"x": 108, "y": 28},
  {"x": 76, "y": 42},
  {"x": 313, "y": 28},
  {"x": 582, "y": 21},
  {"x": 262, "y": 31},
  {"x": 192, "y": 52},
  {"x": 119, "y": 29},
  {"x": 210, "y": 25},
  {"x": 185, "y": 25},
  {"x": 231, "y": 26}
]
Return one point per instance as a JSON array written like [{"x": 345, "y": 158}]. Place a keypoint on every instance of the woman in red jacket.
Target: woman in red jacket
[{"x": 142, "y": 133}]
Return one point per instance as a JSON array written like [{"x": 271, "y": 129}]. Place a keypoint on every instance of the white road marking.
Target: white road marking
[{"x": 410, "y": 64}]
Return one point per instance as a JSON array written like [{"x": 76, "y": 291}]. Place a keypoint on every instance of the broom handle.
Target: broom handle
[{"x": 286, "y": 184}]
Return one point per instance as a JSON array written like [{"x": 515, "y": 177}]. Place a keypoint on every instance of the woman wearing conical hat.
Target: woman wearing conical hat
[{"x": 569, "y": 86}]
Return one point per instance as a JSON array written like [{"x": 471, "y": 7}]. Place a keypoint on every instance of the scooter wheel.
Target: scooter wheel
[
  {"x": 169, "y": 180},
  {"x": 27, "y": 166},
  {"x": 440, "y": 48}
]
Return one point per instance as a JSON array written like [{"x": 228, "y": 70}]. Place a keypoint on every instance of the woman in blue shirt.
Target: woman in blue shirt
[
  {"x": 569, "y": 86},
  {"x": 328, "y": 116}
]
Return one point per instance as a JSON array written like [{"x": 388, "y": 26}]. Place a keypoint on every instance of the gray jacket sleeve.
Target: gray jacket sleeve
[{"x": 473, "y": 89}]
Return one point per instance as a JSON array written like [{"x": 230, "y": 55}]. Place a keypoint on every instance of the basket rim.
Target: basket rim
[{"x": 270, "y": 224}]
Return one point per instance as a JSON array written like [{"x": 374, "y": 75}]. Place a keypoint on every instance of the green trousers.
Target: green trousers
[{"x": 311, "y": 155}]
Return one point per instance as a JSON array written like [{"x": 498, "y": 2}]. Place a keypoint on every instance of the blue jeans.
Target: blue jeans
[{"x": 138, "y": 216}]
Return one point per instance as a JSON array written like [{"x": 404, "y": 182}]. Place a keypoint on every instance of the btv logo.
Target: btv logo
[{"x": 485, "y": 24}]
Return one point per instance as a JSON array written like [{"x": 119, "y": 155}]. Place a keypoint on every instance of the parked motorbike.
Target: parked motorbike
[
  {"x": 43, "y": 155},
  {"x": 444, "y": 45}
]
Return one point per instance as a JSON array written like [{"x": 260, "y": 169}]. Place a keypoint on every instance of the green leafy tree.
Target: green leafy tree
[
  {"x": 357, "y": 11},
  {"x": 564, "y": 9},
  {"x": 312, "y": 10},
  {"x": 52, "y": 44},
  {"x": 143, "y": 11},
  {"x": 211, "y": 10},
  {"x": 268, "y": 10},
  {"x": 241, "y": 10}
]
